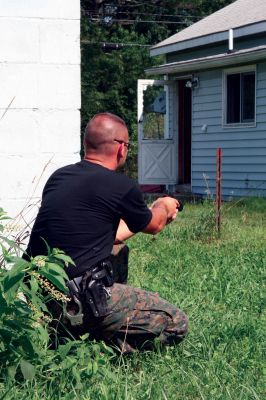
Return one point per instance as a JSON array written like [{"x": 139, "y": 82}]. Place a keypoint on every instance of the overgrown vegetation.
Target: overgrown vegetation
[
  {"x": 25, "y": 355},
  {"x": 218, "y": 281}
]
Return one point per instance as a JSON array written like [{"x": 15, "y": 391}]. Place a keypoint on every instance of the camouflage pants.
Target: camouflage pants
[{"x": 136, "y": 317}]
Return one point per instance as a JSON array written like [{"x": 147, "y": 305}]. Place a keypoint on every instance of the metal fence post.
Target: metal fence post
[{"x": 218, "y": 188}]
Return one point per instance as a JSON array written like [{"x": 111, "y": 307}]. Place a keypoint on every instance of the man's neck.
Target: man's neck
[{"x": 104, "y": 163}]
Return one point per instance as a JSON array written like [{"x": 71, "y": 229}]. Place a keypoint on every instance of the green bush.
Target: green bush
[{"x": 25, "y": 289}]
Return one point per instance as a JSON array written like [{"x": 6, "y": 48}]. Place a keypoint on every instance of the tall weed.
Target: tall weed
[{"x": 203, "y": 225}]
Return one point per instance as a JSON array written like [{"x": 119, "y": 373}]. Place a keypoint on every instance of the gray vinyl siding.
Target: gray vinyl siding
[{"x": 244, "y": 148}]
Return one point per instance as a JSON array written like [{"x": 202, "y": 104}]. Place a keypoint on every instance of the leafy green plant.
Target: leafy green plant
[
  {"x": 26, "y": 286},
  {"x": 24, "y": 315}
]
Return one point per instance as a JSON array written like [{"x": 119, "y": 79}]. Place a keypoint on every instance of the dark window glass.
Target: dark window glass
[
  {"x": 240, "y": 98},
  {"x": 248, "y": 97},
  {"x": 233, "y": 98}
]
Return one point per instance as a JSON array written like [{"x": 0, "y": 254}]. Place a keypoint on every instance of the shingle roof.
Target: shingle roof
[{"x": 235, "y": 15}]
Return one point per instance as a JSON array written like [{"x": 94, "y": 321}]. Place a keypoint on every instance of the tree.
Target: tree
[{"x": 109, "y": 79}]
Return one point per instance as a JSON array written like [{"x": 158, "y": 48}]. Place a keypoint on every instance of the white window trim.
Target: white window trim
[{"x": 238, "y": 70}]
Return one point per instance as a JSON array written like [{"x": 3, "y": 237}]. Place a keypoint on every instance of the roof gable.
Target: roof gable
[{"x": 238, "y": 14}]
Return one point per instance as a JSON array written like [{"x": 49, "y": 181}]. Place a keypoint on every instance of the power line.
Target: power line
[
  {"x": 95, "y": 13},
  {"x": 145, "y": 5},
  {"x": 165, "y": 15},
  {"x": 131, "y": 21},
  {"x": 116, "y": 44}
]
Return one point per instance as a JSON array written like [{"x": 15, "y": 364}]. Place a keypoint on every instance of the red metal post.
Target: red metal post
[{"x": 218, "y": 188}]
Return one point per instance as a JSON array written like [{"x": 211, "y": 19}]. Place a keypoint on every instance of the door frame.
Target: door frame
[
  {"x": 168, "y": 144},
  {"x": 184, "y": 131}
]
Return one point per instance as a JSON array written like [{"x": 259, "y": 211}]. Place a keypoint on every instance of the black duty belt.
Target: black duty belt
[{"x": 90, "y": 291}]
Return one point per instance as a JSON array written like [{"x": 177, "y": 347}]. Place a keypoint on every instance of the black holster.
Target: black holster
[{"x": 92, "y": 288}]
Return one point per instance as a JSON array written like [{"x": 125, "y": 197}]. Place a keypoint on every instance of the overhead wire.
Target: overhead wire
[
  {"x": 115, "y": 11},
  {"x": 140, "y": 21},
  {"x": 115, "y": 43},
  {"x": 93, "y": 12},
  {"x": 142, "y": 4}
]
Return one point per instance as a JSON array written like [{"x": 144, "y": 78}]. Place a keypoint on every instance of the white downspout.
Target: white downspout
[{"x": 231, "y": 41}]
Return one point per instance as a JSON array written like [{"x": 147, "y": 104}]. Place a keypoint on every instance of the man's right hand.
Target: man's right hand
[
  {"x": 164, "y": 211},
  {"x": 170, "y": 204}
]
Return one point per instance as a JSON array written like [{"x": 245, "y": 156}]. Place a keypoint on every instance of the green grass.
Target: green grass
[{"x": 220, "y": 283}]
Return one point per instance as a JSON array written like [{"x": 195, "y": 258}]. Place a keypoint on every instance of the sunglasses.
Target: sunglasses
[{"x": 127, "y": 144}]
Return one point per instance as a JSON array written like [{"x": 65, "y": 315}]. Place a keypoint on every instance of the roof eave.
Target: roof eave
[
  {"x": 208, "y": 39},
  {"x": 222, "y": 60}
]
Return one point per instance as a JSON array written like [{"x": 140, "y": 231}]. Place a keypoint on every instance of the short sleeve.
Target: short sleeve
[{"x": 134, "y": 211}]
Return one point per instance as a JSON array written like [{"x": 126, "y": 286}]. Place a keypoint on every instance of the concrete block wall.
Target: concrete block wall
[{"x": 39, "y": 98}]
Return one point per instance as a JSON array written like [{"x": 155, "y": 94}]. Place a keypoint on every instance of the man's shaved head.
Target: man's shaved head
[{"x": 101, "y": 131}]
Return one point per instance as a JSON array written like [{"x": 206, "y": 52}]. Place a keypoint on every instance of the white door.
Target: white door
[{"x": 157, "y": 132}]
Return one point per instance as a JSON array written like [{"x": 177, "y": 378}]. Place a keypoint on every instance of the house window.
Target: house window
[{"x": 240, "y": 97}]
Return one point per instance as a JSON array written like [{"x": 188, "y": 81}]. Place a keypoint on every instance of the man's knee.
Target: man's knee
[
  {"x": 181, "y": 321},
  {"x": 176, "y": 329}
]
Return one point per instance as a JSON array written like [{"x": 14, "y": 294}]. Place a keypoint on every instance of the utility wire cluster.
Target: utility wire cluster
[
  {"x": 114, "y": 46},
  {"x": 96, "y": 14},
  {"x": 130, "y": 14},
  {"x": 126, "y": 14},
  {"x": 133, "y": 21}
]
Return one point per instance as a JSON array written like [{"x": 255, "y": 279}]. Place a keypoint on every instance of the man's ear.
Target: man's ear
[{"x": 120, "y": 152}]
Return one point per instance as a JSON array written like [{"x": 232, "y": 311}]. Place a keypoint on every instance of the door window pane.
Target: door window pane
[{"x": 154, "y": 112}]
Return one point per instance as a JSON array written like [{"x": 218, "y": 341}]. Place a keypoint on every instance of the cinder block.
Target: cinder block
[
  {"x": 59, "y": 132},
  {"x": 31, "y": 132},
  {"x": 59, "y": 86},
  {"x": 18, "y": 83},
  {"x": 40, "y": 86},
  {"x": 65, "y": 9},
  {"x": 21, "y": 176},
  {"x": 20, "y": 40},
  {"x": 25, "y": 176},
  {"x": 20, "y": 132},
  {"x": 60, "y": 42}
]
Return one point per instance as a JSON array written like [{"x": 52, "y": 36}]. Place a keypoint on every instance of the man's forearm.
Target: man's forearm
[
  {"x": 163, "y": 211},
  {"x": 123, "y": 233}
]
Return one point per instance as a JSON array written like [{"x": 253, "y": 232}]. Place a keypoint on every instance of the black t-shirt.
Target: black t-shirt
[{"x": 82, "y": 205}]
